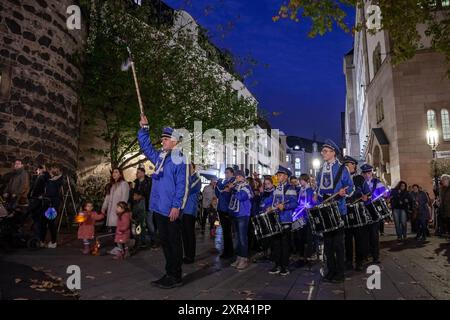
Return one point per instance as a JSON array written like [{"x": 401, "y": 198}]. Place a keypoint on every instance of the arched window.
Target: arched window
[
  {"x": 376, "y": 59},
  {"x": 431, "y": 119},
  {"x": 445, "y": 124}
]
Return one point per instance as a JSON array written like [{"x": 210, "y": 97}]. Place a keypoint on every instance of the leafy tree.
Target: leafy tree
[{"x": 179, "y": 85}]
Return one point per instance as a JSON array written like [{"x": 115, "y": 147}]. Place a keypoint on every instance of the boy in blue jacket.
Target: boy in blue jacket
[
  {"x": 284, "y": 199},
  {"x": 168, "y": 196},
  {"x": 189, "y": 216},
  {"x": 240, "y": 207},
  {"x": 223, "y": 194}
]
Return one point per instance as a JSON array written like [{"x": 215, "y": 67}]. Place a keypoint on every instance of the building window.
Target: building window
[
  {"x": 431, "y": 119},
  {"x": 288, "y": 158},
  {"x": 445, "y": 124},
  {"x": 380, "y": 111},
  {"x": 297, "y": 164},
  {"x": 297, "y": 173},
  {"x": 376, "y": 59}
]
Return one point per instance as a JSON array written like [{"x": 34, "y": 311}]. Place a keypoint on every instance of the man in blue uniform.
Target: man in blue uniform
[
  {"x": 284, "y": 199},
  {"x": 303, "y": 237},
  {"x": 223, "y": 193},
  {"x": 333, "y": 178},
  {"x": 189, "y": 215},
  {"x": 375, "y": 188},
  {"x": 167, "y": 198}
]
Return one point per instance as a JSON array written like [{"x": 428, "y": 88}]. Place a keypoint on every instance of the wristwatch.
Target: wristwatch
[{"x": 146, "y": 126}]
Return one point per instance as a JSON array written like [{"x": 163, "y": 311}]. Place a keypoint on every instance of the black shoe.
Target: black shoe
[
  {"x": 157, "y": 282},
  {"x": 225, "y": 256},
  {"x": 284, "y": 271},
  {"x": 188, "y": 260},
  {"x": 169, "y": 283},
  {"x": 274, "y": 270},
  {"x": 328, "y": 277}
]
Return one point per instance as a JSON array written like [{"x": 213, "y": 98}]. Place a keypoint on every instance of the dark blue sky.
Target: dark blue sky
[{"x": 300, "y": 77}]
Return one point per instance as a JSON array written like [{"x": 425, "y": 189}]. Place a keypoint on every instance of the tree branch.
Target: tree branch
[{"x": 135, "y": 164}]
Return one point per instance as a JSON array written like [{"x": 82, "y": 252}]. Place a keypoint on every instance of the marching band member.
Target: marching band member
[
  {"x": 373, "y": 187},
  {"x": 331, "y": 179},
  {"x": 304, "y": 235},
  {"x": 240, "y": 207},
  {"x": 189, "y": 215},
  {"x": 267, "y": 193},
  {"x": 360, "y": 233},
  {"x": 284, "y": 199},
  {"x": 223, "y": 193},
  {"x": 167, "y": 198}
]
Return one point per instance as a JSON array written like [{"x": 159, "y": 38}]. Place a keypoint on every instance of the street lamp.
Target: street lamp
[
  {"x": 316, "y": 165},
  {"x": 433, "y": 142}
]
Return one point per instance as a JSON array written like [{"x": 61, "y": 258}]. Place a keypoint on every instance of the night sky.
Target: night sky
[{"x": 298, "y": 76}]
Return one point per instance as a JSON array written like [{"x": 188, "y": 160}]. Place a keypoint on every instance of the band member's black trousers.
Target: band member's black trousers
[
  {"x": 354, "y": 240},
  {"x": 205, "y": 214},
  {"x": 170, "y": 236},
  {"x": 281, "y": 248},
  {"x": 189, "y": 236},
  {"x": 374, "y": 240},
  {"x": 304, "y": 242},
  {"x": 225, "y": 221},
  {"x": 333, "y": 246}
]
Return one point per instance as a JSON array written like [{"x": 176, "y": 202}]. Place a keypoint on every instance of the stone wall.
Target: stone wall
[
  {"x": 39, "y": 115},
  {"x": 419, "y": 84}
]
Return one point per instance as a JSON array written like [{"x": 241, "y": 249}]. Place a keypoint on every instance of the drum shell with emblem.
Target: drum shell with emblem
[
  {"x": 325, "y": 217},
  {"x": 357, "y": 216}
]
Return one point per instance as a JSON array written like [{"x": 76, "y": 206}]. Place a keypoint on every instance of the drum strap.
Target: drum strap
[{"x": 338, "y": 176}]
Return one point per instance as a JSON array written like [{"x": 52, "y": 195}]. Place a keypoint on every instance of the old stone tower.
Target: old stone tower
[{"x": 40, "y": 76}]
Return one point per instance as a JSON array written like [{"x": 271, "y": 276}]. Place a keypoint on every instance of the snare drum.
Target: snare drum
[
  {"x": 266, "y": 224},
  {"x": 378, "y": 210},
  {"x": 299, "y": 223},
  {"x": 325, "y": 217},
  {"x": 357, "y": 216}
]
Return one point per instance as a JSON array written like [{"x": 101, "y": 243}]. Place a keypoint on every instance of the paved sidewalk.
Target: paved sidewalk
[{"x": 408, "y": 271}]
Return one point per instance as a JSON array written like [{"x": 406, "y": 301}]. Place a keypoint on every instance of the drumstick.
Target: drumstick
[
  {"x": 133, "y": 69},
  {"x": 334, "y": 195}
]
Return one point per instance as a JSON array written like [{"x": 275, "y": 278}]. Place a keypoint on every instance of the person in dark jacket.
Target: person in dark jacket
[
  {"x": 189, "y": 214},
  {"x": 35, "y": 197},
  {"x": 444, "y": 203},
  {"x": 420, "y": 206},
  {"x": 401, "y": 203},
  {"x": 223, "y": 193},
  {"x": 143, "y": 184},
  {"x": 52, "y": 199}
]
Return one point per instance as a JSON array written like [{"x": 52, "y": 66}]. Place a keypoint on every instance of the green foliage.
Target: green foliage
[{"x": 179, "y": 85}]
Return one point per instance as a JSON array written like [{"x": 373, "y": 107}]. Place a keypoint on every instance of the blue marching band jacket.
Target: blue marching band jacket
[
  {"x": 171, "y": 178},
  {"x": 373, "y": 187},
  {"x": 286, "y": 194},
  {"x": 240, "y": 202},
  {"x": 195, "y": 185},
  {"x": 327, "y": 186},
  {"x": 222, "y": 195}
]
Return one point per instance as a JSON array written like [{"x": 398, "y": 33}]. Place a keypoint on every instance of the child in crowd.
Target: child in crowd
[
  {"x": 139, "y": 216},
  {"x": 122, "y": 230},
  {"x": 86, "y": 229}
]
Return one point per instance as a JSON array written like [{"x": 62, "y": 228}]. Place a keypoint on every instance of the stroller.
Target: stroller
[{"x": 16, "y": 226}]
